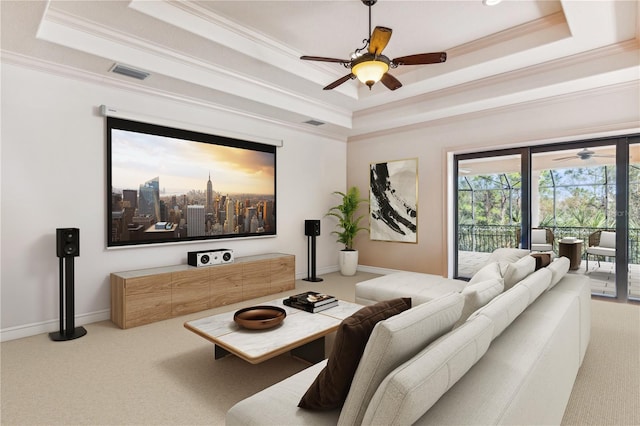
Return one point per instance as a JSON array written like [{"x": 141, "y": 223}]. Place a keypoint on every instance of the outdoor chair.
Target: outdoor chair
[
  {"x": 541, "y": 239},
  {"x": 601, "y": 243}
]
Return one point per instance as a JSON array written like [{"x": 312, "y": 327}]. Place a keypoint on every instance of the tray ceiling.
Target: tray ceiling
[{"x": 244, "y": 55}]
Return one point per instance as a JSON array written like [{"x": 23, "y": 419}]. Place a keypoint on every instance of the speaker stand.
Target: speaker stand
[
  {"x": 67, "y": 295},
  {"x": 311, "y": 260}
]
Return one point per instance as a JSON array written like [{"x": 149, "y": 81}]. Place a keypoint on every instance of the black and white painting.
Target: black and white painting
[{"x": 393, "y": 201}]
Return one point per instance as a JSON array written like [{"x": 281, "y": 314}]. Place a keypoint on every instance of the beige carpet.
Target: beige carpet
[
  {"x": 607, "y": 389},
  {"x": 163, "y": 374}
]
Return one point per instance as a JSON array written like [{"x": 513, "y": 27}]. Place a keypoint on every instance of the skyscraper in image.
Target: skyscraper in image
[
  {"x": 149, "y": 198},
  {"x": 209, "y": 202},
  {"x": 229, "y": 227}
]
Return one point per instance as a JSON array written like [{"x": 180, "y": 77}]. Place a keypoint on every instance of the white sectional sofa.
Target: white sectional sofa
[{"x": 512, "y": 361}]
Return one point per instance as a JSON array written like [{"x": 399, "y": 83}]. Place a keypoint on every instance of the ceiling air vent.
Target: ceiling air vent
[
  {"x": 314, "y": 122},
  {"x": 129, "y": 71}
]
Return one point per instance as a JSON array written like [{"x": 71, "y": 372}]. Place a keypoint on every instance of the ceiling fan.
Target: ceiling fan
[
  {"x": 583, "y": 154},
  {"x": 372, "y": 66}
]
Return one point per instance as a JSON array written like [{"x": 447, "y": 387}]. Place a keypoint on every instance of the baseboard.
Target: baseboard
[
  {"x": 363, "y": 268},
  {"x": 376, "y": 270},
  {"x": 319, "y": 271},
  {"x": 21, "y": 331}
]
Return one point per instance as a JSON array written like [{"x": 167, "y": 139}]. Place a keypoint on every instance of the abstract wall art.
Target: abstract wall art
[{"x": 393, "y": 199}]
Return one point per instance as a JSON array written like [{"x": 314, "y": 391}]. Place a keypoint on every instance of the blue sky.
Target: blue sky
[{"x": 185, "y": 165}]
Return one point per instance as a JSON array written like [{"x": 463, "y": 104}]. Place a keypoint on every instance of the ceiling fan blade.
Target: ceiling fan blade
[
  {"x": 571, "y": 157},
  {"x": 421, "y": 59},
  {"x": 321, "y": 59},
  {"x": 339, "y": 81},
  {"x": 390, "y": 82},
  {"x": 379, "y": 39}
]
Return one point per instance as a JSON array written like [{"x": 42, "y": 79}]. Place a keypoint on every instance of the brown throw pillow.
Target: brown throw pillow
[
  {"x": 542, "y": 259},
  {"x": 331, "y": 387}
]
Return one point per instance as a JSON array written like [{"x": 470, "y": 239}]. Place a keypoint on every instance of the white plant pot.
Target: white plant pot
[{"x": 348, "y": 262}]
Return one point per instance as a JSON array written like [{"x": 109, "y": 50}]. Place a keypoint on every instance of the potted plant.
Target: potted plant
[{"x": 348, "y": 227}]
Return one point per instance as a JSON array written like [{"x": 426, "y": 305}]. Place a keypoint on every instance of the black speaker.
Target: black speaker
[
  {"x": 311, "y": 230},
  {"x": 68, "y": 242},
  {"x": 311, "y": 227}
]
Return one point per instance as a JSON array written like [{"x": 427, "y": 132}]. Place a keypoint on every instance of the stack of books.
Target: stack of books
[{"x": 311, "y": 301}]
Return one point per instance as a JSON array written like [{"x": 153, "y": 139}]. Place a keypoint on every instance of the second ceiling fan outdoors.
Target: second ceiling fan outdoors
[
  {"x": 372, "y": 66},
  {"x": 584, "y": 154}
]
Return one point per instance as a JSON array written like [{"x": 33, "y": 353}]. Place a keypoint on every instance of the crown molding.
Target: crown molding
[
  {"x": 535, "y": 28},
  {"x": 65, "y": 71},
  {"x": 600, "y": 67},
  {"x": 618, "y": 128},
  {"x": 93, "y": 38},
  {"x": 203, "y": 22},
  {"x": 500, "y": 52}
]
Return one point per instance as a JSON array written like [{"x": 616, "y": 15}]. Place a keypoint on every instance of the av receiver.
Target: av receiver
[{"x": 210, "y": 257}]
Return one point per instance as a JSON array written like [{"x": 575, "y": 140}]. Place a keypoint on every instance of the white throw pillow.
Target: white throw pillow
[
  {"x": 516, "y": 272},
  {"x": 559, "y": 268},
  {"x": 487, "y": 272},
  {"x": 607, "y": 239},
  {"x": 477, "y": 295},
  {"x": 538, "y": 236},
  {"x": 507, "y": 255}
]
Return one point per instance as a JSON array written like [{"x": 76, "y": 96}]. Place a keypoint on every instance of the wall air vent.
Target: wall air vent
[
  {"x": 129, "y": 71},
  {"x": 314, "y": 122}
]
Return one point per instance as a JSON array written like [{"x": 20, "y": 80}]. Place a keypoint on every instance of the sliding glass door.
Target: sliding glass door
[
  {"x": 489, "y": 206},
  {"x": 634, "y": 220},
  {"x": 579, "y": 199},
  {"x": 574, "y": 197}
]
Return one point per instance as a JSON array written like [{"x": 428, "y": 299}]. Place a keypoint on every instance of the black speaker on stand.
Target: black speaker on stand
[
  {"x": 67, "y": 248},
  {"x": 311, "y": 230}
]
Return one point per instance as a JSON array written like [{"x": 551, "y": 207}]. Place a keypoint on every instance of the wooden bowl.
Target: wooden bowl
[{"x": 259, "y": 317}]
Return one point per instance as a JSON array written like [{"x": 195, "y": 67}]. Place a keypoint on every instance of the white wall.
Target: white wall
[
  {"x": 53, "y": 168},
  {"x": 611, "y": 110}
]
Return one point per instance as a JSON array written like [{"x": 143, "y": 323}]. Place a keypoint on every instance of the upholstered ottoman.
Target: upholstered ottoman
[{"x": 419, "y": 287}]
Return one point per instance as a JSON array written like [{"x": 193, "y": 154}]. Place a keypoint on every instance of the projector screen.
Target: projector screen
[{"x": 169, "y": 185}]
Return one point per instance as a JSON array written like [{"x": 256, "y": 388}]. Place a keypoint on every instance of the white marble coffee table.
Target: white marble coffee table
[{"x": 301, "y": 332}]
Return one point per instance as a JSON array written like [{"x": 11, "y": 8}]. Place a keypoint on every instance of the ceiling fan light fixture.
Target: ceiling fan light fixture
[
  {"x": 369, "y": 65},
  {"x": 370, "y": 72}
]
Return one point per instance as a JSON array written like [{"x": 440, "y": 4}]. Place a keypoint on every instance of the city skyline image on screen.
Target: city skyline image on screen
[{"x": 169, "y": 185}]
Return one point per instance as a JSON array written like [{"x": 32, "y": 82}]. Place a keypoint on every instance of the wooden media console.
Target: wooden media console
[{"x": 149, "y": 295}]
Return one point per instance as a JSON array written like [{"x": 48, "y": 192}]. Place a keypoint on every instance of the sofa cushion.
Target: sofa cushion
[
  {"x": 393, "y": 342},
  {"x": 507, "y": 255},
  {"x": 504, "y": 308},
  {"x": 411, "y": 389},
  {"x": 517, "y": 271},
  {"x": 277, "y": 404},
  {"x": 537, "y": 283},
  {"x": 559, "y": 268},
  {"x": 527, "y": 374},
  {"x": 330, "y": 388},
  {"x": 477, "y": 295},
  {"x": 487, "y": 272}
]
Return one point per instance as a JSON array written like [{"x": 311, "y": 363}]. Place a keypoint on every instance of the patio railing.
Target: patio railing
[{"x": 487, "y": 238}]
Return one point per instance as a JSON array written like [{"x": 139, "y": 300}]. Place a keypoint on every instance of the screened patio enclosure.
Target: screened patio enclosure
[{"x": 570, "y": 196}]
